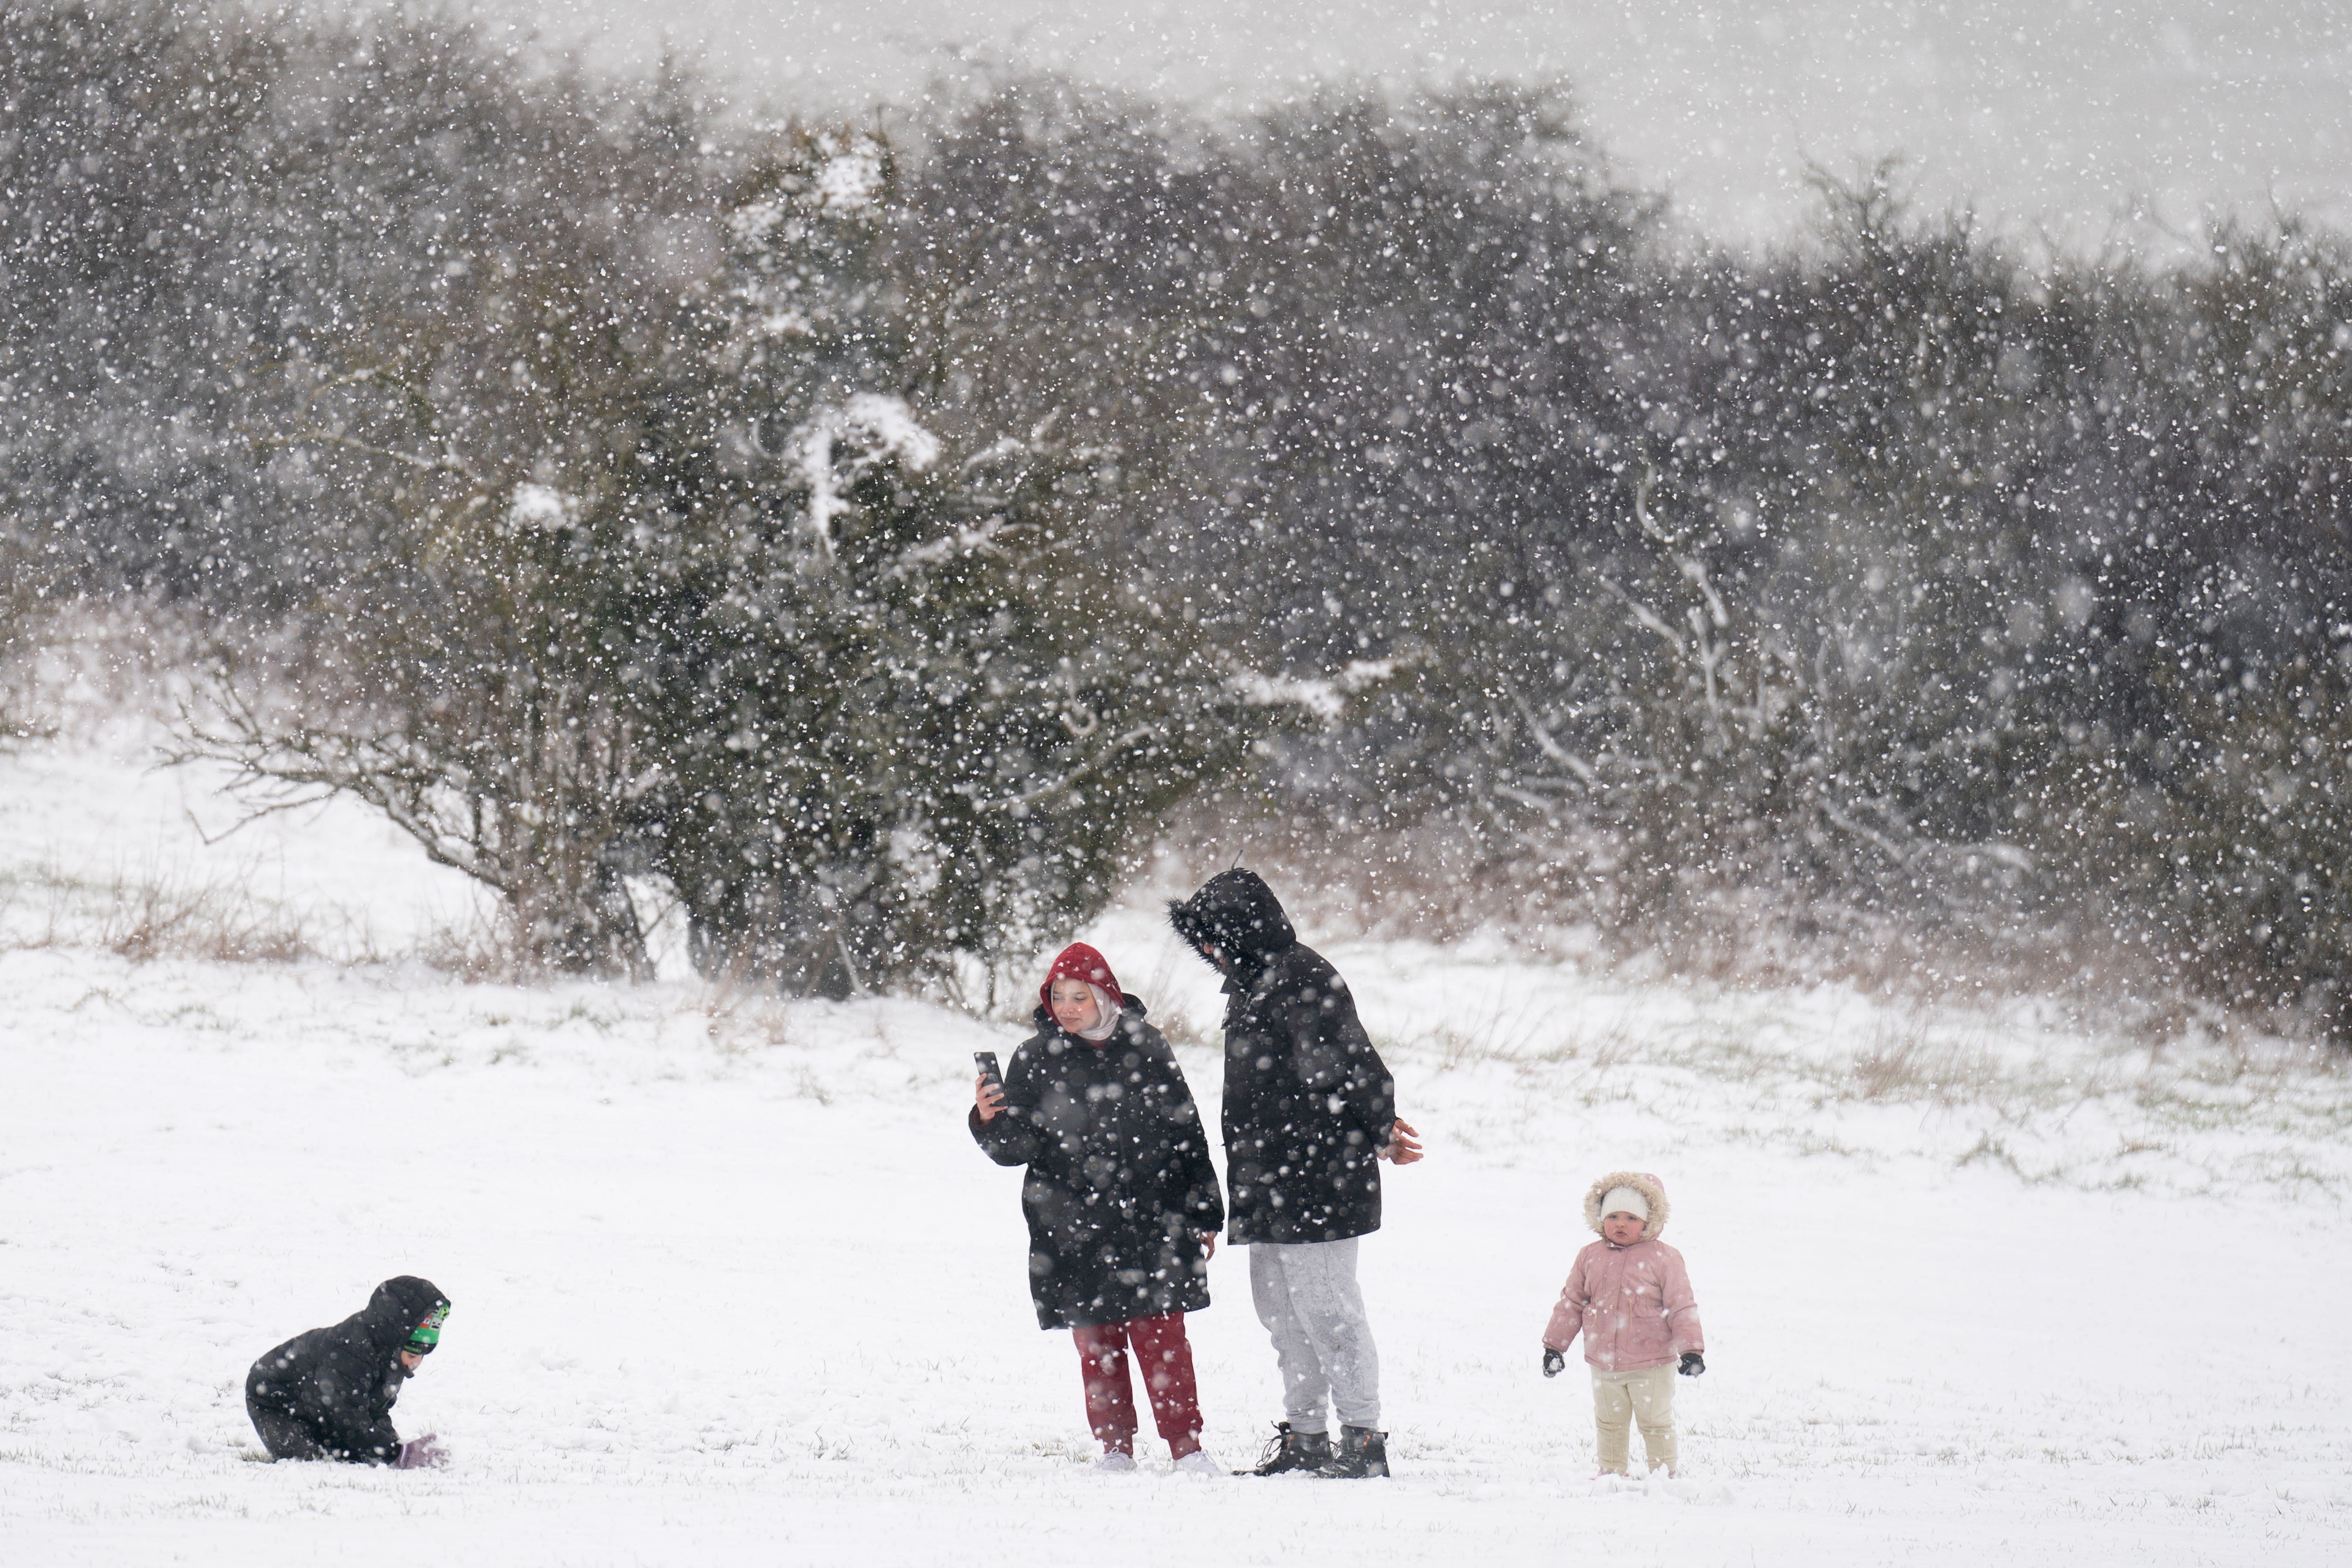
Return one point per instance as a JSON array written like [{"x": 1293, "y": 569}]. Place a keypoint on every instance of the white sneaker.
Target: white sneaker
[
  {"x": 1114, "y": 1463},
  {"x": 1199, "y": 1462}
]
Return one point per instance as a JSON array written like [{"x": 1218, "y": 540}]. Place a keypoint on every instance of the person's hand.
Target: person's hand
[
  {"x": 1692, "y": 1363},
  {"x": 1553, "y": 1362},
  {"x": 1208, "y": 1245},
  {"x": 1403, "y": 1146},
  {"x": 423, "y": 1453},
  {"x": 988, "y": 1098}
]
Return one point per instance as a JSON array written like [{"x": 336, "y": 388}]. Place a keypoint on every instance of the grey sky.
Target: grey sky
[{"x": 2049, "y": 114}]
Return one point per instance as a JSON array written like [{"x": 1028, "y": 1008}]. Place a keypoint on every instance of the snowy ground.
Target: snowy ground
[{"x": 732, "y": 1283}]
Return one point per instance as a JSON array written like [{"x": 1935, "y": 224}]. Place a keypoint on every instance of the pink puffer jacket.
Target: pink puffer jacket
[{"x": 1632, "y": 1304}]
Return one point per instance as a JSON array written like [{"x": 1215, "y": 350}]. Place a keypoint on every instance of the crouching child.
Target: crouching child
[
  {"x": 1630, "y": 1296},
  {"x": 328, "y": 1393}
]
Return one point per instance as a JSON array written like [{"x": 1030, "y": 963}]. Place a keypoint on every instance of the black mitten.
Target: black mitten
[
  {"x": 1692, "y": 1363},
  {"x": 1553, "y": 1362}
]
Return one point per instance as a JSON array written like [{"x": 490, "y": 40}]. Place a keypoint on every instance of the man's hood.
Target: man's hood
[{"x": 1235, "y": 910}]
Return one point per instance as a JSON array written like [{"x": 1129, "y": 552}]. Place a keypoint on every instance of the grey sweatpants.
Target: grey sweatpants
[{"x": 1306, "y": 1298}]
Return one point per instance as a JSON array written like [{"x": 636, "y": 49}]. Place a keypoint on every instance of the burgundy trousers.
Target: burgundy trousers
[{"x": 1166, "y": 1359}]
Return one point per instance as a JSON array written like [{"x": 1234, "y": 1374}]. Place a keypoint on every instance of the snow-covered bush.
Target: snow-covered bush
[
  {"x": 472, "y": 688},
  {"x": 731, "y": 613},
  {"x": 454, "y": 298},
  {"x": 2019, "y": 581},
  {"x": 909, "y": 705}
]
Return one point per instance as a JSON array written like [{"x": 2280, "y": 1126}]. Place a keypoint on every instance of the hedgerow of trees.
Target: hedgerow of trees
[{"x": 879, "y": 533}]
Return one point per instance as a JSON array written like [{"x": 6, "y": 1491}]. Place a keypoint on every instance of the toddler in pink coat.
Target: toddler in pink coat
[{"x": 1629, "y": 1297}]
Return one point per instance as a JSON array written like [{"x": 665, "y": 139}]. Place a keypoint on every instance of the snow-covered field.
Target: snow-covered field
[{"x": 732, "y": 1285}]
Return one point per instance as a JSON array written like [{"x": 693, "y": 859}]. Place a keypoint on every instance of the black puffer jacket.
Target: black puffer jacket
[
  {"x": 1120, "y": 1185},
  {"x": 1308, "y": 1102},
  {"x": 339, "y": 1383}
]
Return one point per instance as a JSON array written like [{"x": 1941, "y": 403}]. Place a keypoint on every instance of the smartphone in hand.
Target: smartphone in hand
[{"x": 989, "y": 1071}]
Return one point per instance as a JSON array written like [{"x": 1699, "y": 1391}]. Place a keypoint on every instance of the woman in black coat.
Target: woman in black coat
[{"x": 1122, "y": 1201}]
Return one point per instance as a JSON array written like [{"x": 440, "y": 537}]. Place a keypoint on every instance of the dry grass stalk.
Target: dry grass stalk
[{"x": 154, "y": 916}]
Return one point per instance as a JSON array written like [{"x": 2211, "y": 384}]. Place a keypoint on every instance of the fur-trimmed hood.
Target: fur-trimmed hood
[
  {"x": 1237, "y": 912},
  {"x": 1653, "y": 1191}
]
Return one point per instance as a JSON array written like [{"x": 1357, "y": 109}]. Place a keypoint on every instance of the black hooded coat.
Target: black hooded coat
[
  {"x": 1308, "y": 1102},
  {"x": 1120, "y": 1187},
  {"x": 328, "y": 1393}
]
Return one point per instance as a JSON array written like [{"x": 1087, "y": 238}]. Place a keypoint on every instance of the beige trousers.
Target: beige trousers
[{"x": 1620, "y": 1399}]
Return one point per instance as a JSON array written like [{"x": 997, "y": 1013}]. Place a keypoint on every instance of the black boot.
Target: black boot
[
  {"x": 1291, "y": 1451},
  {"x": 1360, "y": 1452}
]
